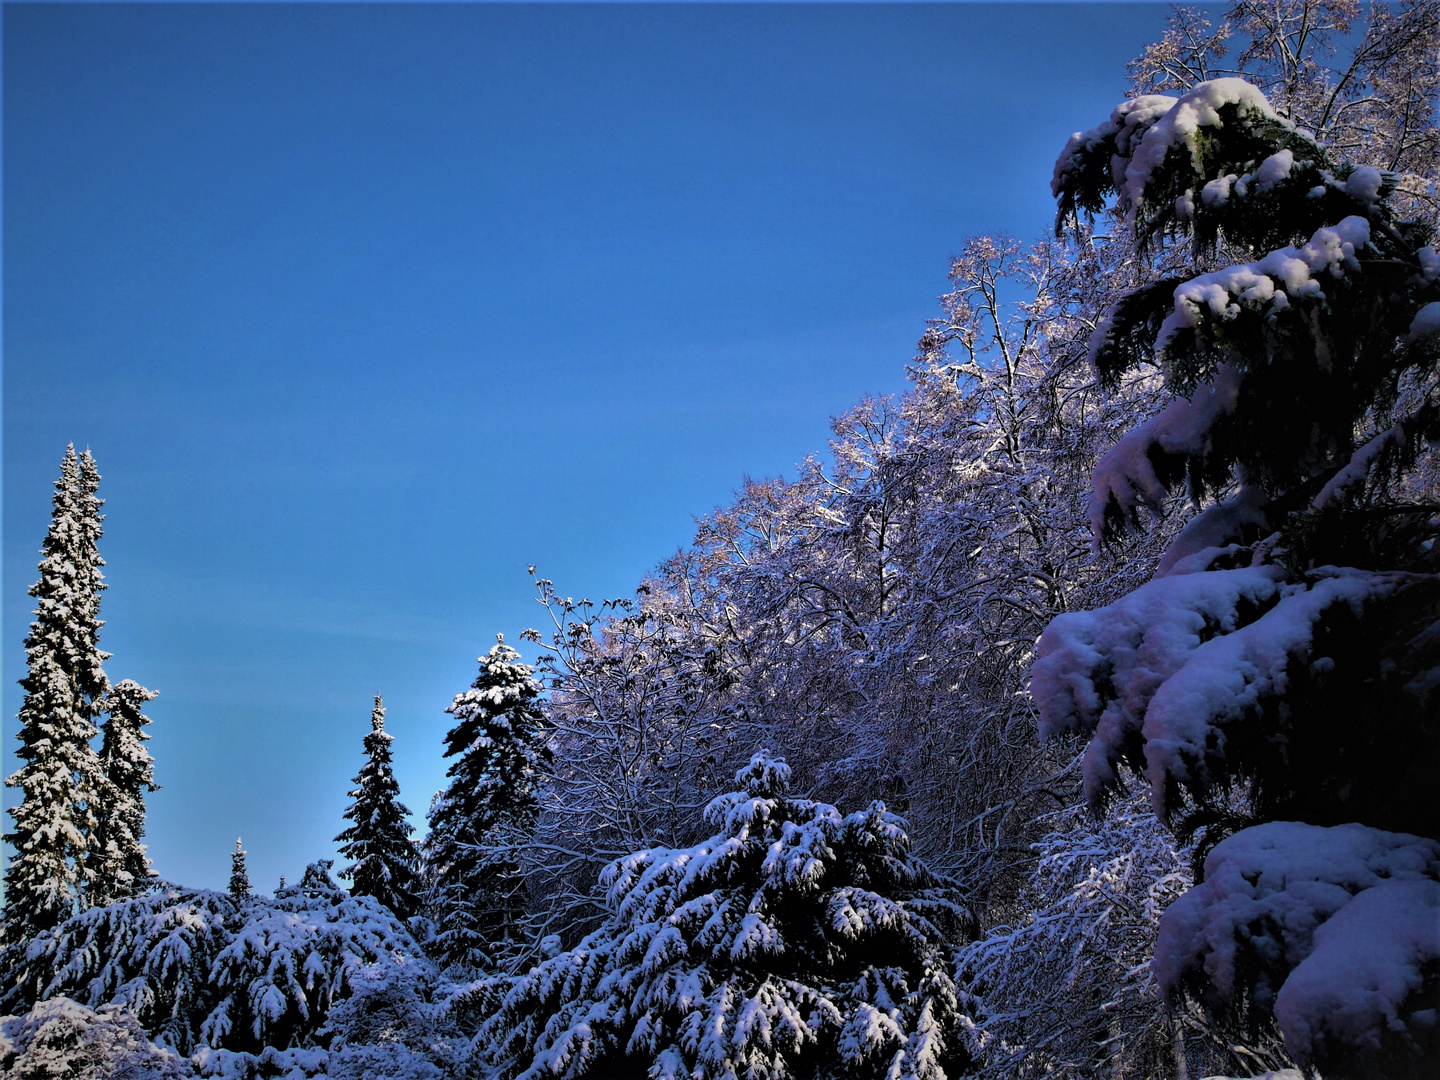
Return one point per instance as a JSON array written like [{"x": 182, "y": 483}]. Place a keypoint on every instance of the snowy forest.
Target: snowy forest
[{"x": 1077, "y": 714}]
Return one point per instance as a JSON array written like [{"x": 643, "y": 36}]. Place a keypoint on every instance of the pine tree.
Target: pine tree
[
  {"x": 379, "y": 840},
  {"x": 491, "y": 803},
  {"x": 239, "y": 876},
  {"x": 121, "y": 867},
  {"x": 65, "y": 685},
  {"x": 1279, "y": 673}
]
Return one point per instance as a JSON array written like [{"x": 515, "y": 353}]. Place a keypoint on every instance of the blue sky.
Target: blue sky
[{"x": 362, "y": 309}]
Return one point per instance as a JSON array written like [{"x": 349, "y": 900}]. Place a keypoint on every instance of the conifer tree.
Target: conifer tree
[
  {"x": 491, "y": 804},
  {"x": 1279, "y": 673},
  {"x": 379, "y": 839},
  {"x": 121, "y": 867},
  {"x": 239, "y": 876},
  {"x": 65, "y": 685},
  {"x": 793, "y": 943}
]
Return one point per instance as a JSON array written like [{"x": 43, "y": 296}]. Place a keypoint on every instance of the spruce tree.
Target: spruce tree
[
  {"x": 121, "y": 867},
  {"x": 62, "y": 779},
  {"x": 491, "y": 804},
  {"x": 1279, "y": 678},
  {"x": 379, "y": 839},
  {"x": 239, "y": 876},
  {"x": 796, "y": 942}
]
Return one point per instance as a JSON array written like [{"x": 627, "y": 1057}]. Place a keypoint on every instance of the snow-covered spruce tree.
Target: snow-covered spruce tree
[
  {"x": 794, "y": 943},
  {"x": 121, "y": 867},
  {"x": 1286, "y": 648},
  {"x": 474, "y": 884},
  {"x": 65, "y": 685},
  {"x": 378, "y": 840},
  {"x": 239, "y": 876}
]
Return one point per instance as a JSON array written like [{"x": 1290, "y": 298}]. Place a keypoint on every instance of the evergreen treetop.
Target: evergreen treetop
[
  {"x": 378, "y": 840},
  {"x": 491, "y": 803},
  {"x": 62, "y": 779},
  {"x": 239, "y": 876}
]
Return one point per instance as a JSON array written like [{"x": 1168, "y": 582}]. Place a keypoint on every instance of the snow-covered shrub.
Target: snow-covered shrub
[
  {"x": 60, "y": 1039},
  {"x": 793, "y": 943},
  {"x": 202, "y": 968},
  {"x": 1067, "y": 991}
]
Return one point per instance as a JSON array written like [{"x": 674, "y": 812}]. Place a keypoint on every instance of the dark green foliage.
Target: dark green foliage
[{"x": 378, "y": 840}]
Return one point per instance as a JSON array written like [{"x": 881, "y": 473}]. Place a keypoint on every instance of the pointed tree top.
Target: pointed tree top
[
  {"x": 237, "y": 846},
  {"x": 377, "y": 717}
]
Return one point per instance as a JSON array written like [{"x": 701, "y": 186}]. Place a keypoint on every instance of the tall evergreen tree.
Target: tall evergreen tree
[
  {"x": 379, "y": 839},
  {"x": 1280, "y": 671},
  {"x": 491, "y": 804},
  {"x": 65, "y": 686},
  {"x": 239, "y": 876},
  {"x": 121, "y": 867}
]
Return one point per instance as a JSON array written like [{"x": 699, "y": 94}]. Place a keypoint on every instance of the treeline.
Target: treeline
[{"x": 1163, "y": 485}]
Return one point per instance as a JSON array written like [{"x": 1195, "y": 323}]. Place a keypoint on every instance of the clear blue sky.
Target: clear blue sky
[{"x": 362, "y": 309}]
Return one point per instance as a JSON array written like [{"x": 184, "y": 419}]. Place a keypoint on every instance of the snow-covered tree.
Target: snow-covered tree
[
  {"x": 489, "y": 808},
  {"x": 378, "y": 838},
  {"x": 793, "y": 943},
  {"x": 1285, "y": 648},
  {"x": 239, "y": 876},
  {"x": 121, "y": 868},
  {"x": 62, "y": 779}
]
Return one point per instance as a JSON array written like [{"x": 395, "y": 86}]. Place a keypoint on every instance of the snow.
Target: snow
[
  {"x": 1097, "y": 671},
  {"x": 1195, "y": 109},
  {"x": 1128, "y": 122},
  {"x": 1126, "y": 476},
  {"x": 1211, "y": 530},
  {"x": 1225, "y": 677},
  {"x": 1170, "y": 666},
  {"x": 1217, "y": 192},
  {"x": 712, "y": 963},
  {"x": 1363, "y": 185},
  {"x": 1358, "y": 467},
  {"x": 205, "y": 968},
  {"x": 1273, "y": 169},
  {"x": 1337, "y": 922},
  {"x": 1368, "y": 965},
  {"x": 1271, "y": 281},
  {"x": 61, "y": 1038},
  {"x": 1429, "y": 263},
  {"x": 1426, "y": 322}
]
